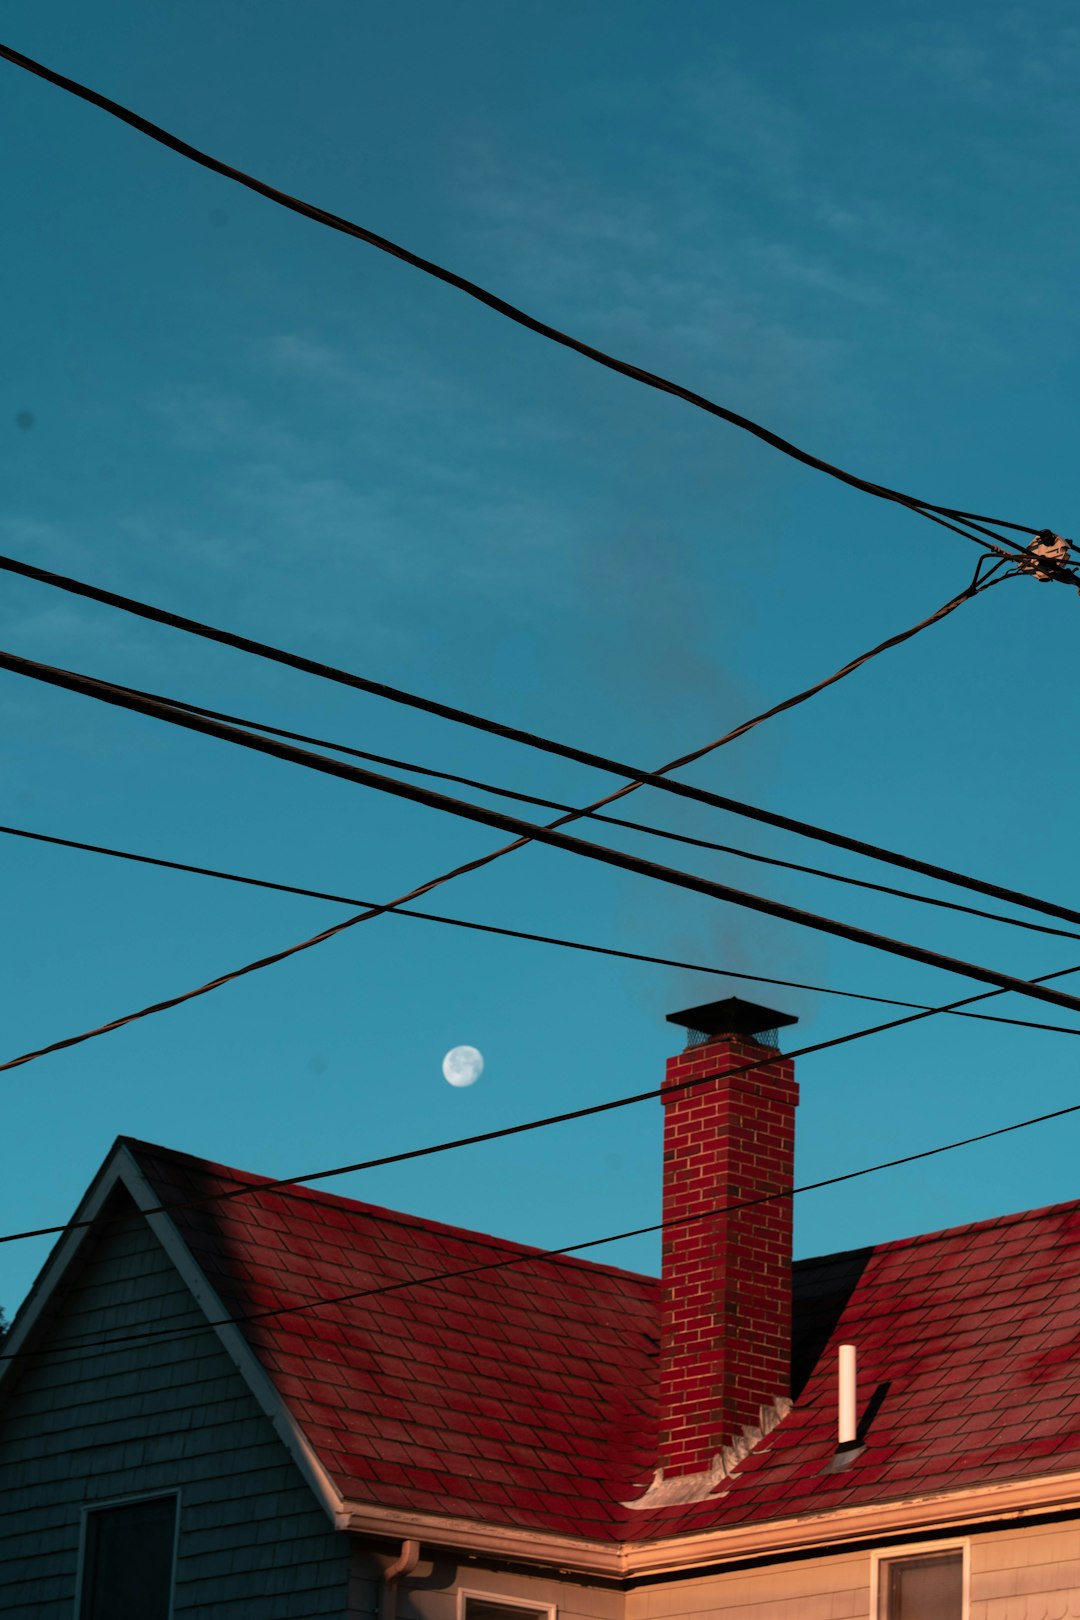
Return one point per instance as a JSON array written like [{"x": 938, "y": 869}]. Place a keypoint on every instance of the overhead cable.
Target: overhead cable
[
  {"x": 571, "y": 812},
  {"x": 970, "y": 521},
  {"x": 417, "y": 793},
  {"x": 126, "y": 1338},
  {"x": 404, "y": 1156},
  {"x": 660, "y": 779},
  {"x": 519, "y": 933},
  {"x": 377, "y": 910}
]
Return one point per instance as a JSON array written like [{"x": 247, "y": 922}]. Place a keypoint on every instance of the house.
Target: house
[{"x": 230, "y": 1399}]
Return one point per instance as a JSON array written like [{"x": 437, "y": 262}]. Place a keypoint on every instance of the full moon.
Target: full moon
[{"x": 463, "y": 1066}]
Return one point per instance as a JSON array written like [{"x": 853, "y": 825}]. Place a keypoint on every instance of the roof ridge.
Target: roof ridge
[{"x": 1015, "y": 1217}]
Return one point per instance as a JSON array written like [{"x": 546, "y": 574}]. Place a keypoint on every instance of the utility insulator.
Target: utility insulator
[{"x": 1045, "y": 556}]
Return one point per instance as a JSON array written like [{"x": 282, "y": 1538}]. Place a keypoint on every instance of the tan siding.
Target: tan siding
[
  {"x": 827, "y": 1588},
  {"x": 1031, "y": 1573},
  {"x": 1019, "y": 1549},
  {"x": 1028, "y": 1574}
]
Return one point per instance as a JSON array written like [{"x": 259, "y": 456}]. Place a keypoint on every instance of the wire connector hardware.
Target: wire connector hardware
[{"x": 1047, "y": 556}]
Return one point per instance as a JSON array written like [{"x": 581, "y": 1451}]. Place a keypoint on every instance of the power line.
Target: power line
[
  {"x": 479, "y": 1138},
  {"x": 413, "y": 894},
  {"x": 418, "y": 794},
  {"x": 926, "y": 509},
  {"x": 515, "y": 933},
  {"x": 587, "y": 1112},
  {"x": 660, "y": 779},
  {"x": 577, "y": 814},
  {"x": 969, "y": 524},
  {"x": 533, "y": 1257}
]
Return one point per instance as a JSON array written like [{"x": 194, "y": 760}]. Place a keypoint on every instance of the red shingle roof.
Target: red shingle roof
[
  {"x": 515, "y": 1395},
  {"x": 527, "y": 1395}
]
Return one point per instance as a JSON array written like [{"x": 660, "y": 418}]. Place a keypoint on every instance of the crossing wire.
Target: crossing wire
[
  {"x": 571, "y": 812},
  {"x": 516, "y": 933},
  {"x": 126, "y": 1339},
  {"x": 104, "y": 691},
  {"x": 660, "y": 779}
]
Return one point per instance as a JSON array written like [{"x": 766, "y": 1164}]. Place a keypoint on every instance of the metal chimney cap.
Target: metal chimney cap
[{"x": 732, "y": 1016}]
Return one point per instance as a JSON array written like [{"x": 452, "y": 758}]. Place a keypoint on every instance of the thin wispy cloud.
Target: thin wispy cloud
[
  {"x": 1003, "y": 51},
  {"x": 734, "y": 289},
  {"x": 336, "y": 457},
  {"x": 45, "y": 624},
  {"x": 736, "y": 121}
]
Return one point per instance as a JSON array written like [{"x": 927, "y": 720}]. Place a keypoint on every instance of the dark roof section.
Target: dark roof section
[{"x": 527, "y": 1395}]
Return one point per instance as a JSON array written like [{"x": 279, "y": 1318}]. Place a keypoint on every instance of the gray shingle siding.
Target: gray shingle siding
[{"x": 85, "y": 1427}]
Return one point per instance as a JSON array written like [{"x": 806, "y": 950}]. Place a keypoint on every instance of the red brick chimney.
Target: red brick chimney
[{"x": 725, "y": 1344}]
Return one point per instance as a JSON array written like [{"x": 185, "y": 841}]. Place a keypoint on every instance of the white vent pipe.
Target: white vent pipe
[{"x": 847, "y": 1426}]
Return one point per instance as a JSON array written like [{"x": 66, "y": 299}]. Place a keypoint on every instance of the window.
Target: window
[
  {"x": 478, "y": 1608},
  {"x": 128, "y": 1560},
  {"x": 927, "y": 1584},
  {"x": 481, "y": 1606}
]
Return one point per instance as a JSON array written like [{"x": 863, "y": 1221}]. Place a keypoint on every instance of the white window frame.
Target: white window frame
[
  {"x": 127, "y": 1500},
  {"x": 922, "y": 1549},
  {"x": 466, "y": 1592}
]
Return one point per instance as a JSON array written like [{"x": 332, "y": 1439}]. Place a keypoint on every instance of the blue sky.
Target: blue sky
[{"x": 859, "y": 227}]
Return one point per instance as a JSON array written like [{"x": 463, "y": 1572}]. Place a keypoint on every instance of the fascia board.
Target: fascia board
[
  {"x": 969, "y": 1507},
  {"x": 711, "y": 1549},
  {"x": 509, "y": 1542}
]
